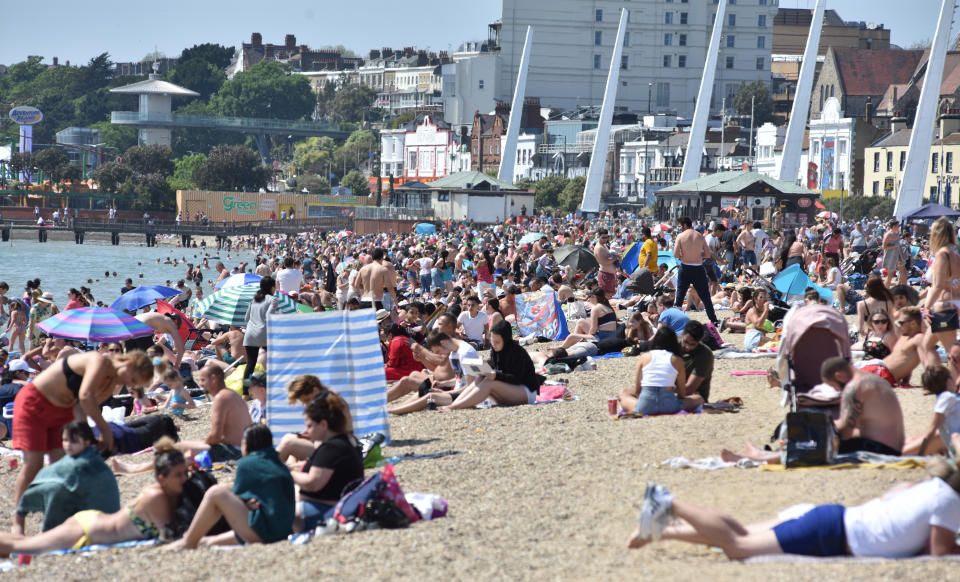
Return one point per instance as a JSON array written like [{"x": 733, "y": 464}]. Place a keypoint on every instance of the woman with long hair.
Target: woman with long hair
[
  {"x": 943, "y": 298},
  {"x": 255, "y": 336},
  {"x": 877, "y": 299},
  {"x": 602, "y": 323},
  {"x": 661, "y": 379}
]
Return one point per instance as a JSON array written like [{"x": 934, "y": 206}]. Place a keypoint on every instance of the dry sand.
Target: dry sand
[{"x": 546, "y": 492}]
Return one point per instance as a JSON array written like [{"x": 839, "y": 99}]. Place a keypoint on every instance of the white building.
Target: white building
[
  {"x": 769, "y": 149},
  {"x": 830, "y": 165},
  {"x": 470, "y": 84},
  {"x": 526, "y": 150},
  {"x": 663, "y": 56},
  {"x": 428, "y": 152},
  {"x": 392, "y": 152}
]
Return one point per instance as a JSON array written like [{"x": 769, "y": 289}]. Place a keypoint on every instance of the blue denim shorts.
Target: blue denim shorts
[
  {"x": 657, "y": 400},
  {"x": 818, "y": 532},
  {"x": 314, "y": 513}
]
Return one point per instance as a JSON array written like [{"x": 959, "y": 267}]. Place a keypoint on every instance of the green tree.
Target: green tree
[
  {"x": 857, "y": 207},
  {"x": 402, "y": 119},
  {"x": 111, "y": 176},
  {"x": 762, "y": 103},
  {"x": 356, "y": 150},
  {"x": 525, "y": 184},
  {"x": 199, "y": 75},
  {"x": 120, "y": 137},
  {"x": 314, "y": 184},
  {"x": 96, "y": 74},
  {"x": 357, "y": 182},
  {"x": 183, "y": 171},
  {"x": 22, "y": 163},
  {"x": 150, "y": 159},
  {"x": 267, "y": 90},
  {"x": 350, "y": 104},
  {"x": 196, "y": 140},
  {"x": 572, "y": 194},
  {"x": 49, "y": 161},
  {"x": 232, "y": 168},
  {"x": 28, "y": 70},
  {"x": 547, "y": 192},
  {"x": 216, "y": 54},
  {"x": 315, "y": 155}
]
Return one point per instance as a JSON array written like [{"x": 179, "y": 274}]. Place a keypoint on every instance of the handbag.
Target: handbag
[
  {"x": 809, "y": 439},
  {"x": 194, "y": 488},
  {"x": 945, "y": 317}
]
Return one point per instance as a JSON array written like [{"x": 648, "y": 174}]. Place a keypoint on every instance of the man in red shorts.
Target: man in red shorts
[{"x": 607, "y": 276}]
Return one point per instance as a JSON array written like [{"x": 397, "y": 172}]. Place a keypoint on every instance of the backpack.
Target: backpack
[
  {"x": 194, "y": 489},
  {"x": 711, "y": 338},
  {"x": 378, "y": 499}
]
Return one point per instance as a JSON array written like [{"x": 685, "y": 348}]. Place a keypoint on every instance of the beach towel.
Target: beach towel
[
  {"x": 539, "y": 314},
  {"x": 342, "y": 349}
]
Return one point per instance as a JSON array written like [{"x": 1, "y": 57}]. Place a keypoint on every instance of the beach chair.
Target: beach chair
[
  {"x": 8, "y": 417},
  {"x": 811, "y": 334}
]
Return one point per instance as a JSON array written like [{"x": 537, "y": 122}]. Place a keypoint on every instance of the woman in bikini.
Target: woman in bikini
[
  {"x": 878, "y": 300},
  {"x": 144, "y": 519},
  {"x": 944, "y": 295},
  {"x": 601, "y": 325},
  {"x": 880, "y": 338}
]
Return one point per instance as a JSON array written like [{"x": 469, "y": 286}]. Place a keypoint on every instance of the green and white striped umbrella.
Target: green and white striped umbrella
[{"x": 229, "y": 306}]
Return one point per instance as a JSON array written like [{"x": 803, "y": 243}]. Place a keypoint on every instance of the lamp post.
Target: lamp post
[{"x": 650, "y": 97}]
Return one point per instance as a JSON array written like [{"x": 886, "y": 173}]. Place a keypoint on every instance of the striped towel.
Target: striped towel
[{"x": 342, "y": 349}]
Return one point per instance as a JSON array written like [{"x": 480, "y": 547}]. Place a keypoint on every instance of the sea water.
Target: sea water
[{"x": 61, "y": 265}]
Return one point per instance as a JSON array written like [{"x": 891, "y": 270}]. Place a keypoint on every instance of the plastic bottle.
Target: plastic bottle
[{"x": 390, "y": 461}]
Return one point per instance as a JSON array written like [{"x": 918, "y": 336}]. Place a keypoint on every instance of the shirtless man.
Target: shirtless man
[
  {"x": 908, "y": 353},
  {"x": 229, "y": 345},
  {"x": 228, "y": 417},
  {"x": 161, "y": 323},
  {"x": 371, "y": 281},
  {"x": 691, "y": 250},
  {"x": 607, "y": 276},
  {"x": 438, "y": 370},
  {"x": 747, "y": 244}
]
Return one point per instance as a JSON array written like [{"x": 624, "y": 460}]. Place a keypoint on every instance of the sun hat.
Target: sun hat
[
  {"x": 382, "y": 314},
  {"x": 46, "y": 297}
]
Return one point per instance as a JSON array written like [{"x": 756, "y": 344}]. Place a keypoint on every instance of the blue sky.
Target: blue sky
[{"x": 78, "y": 31}]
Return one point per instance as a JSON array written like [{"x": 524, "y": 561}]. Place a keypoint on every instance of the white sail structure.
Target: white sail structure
[
  {"x": 508, "y": 158},
  {"x": 598, "y": 159},
  {"x": 910, "y": 196},
  {"x": 793, "y": 144},
  {"x": 701, "y": 113}
]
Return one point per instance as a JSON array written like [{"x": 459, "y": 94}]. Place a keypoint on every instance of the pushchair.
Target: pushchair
[
  {"x": 812, "y": 333},
  {"x": 778, "y": 306},
  {"x": 642, "y": 283}
]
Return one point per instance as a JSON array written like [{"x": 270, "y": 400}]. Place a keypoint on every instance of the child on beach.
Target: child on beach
[
  {"x": 946, "y": 415},
  {"x": 17, "y": 327},
  {"x": 142, "y": 403},
  {"x": 179, "y": 398}
]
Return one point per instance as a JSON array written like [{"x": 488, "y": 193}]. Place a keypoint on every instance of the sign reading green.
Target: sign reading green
[{"x": 231, "y": 204}]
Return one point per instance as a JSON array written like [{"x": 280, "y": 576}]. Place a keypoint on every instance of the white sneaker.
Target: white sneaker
[{"x": 656, "y": 511}]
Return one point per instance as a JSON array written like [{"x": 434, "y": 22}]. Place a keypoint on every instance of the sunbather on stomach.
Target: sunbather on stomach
[{"x": 143, "y": 519}]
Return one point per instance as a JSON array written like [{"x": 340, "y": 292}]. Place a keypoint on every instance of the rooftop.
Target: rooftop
[
  {"x": 155, "y": 87},
  {"x": 871, "y": 72},
  {"x": 736, "y": 181},
  {"x": 470, "y": 181}
]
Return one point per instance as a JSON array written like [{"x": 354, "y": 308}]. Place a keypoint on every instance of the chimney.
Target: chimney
[
  {"x": 374, "y": 55},
  {"x": 56, "y": 61},
  {"x": 868, "y": 110},
  {"x": 897, "y": 123},
  {"x": 387, "y": 52},
  {"x": 290, "y": 42},
  {"x": 256, "y": 39},
  {"x": 268, "y": 52},
  {"x": 949, "y": 123}
]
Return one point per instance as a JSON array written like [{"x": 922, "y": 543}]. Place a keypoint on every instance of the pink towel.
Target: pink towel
[{"x": 749, "y": 373}]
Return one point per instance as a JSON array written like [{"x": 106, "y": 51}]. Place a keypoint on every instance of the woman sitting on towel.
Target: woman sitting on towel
[
  {"x": 332, "y": 466},
  {"x": 513, "y": 380},
  {"x": 661, "y": 379},
  {"x": 144, "y": 519},
  {"x": 259, "y": 507},
  {"x": 602, "y": 323}
]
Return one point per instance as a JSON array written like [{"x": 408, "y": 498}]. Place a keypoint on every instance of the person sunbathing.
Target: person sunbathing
[
  {"x": 144, "y": 519},
  {"x": 946, "y": 415},
  {"x": 910, "y": 519},
  {"x": 259, "y": 507},
  {"x": 455, "y": 350},
  {"x": 909, "y": 351},
  {"x": 870, "y": 419}
]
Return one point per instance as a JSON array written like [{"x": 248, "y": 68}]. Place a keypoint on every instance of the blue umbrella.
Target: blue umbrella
[
  {"x": 631, "y": 258},
  {"x": 793, "y": 281},
  {"x": 530, "y": 238},
  {"x": 99, "y": 324},
  {"x": 426, "y": 228},
  {"x": 238, "y": 279},
  {"x": 143, "y": 296}
]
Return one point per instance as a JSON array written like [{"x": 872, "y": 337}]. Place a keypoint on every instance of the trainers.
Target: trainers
[{"x": 656, "y": 511}]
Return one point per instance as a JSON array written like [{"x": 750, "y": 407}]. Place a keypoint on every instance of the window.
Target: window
[
  {"x": 841, "y": 147},
  {"x": 663, "y": 94},
  {"x": 903, "y": 160},
  {"x": 668, "y": 18},
  {"x": 948, "y": 167},
  {"x": 598, "y": 38},
  {"x": 624, "y": 62},
  {"x": 935, "y": 163},
  {"x": 731, "y": 19},
  {"x": 599, "y": 16},
  {"x": 761, "y": 62},
  {"x": 876, "y": 187},
  {"x": 413, "y": 161},
  {"x": 729, "y": 62},
  {"x": 666, "y": 61},
  {"x": 683, "y": 18},
  {"x": 667, "y": 39},
  {"x": 889, "y": 161},
  {"x": 763, "y": 2},
  {"x": 682, "y": 41},
  {"x": 731, "y": 41},
  {"x": 761, "y": 42},
  {"x": 762, "y": 21},
  {"x": 876, "y": 161},
  {"x": 682, "y": 61},
  {"x": 596, "y": 61},
  {"x": 480, "y": 84},
  {"x": 626, "y": 39}
]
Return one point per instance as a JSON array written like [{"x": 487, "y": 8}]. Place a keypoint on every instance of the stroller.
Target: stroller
[
  {"x": 811, "y": 334},
  {"x": 642, "y": 283},
  {"x": 778, "y": 306}
]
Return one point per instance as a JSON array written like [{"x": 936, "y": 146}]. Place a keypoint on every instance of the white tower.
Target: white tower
[{"x": 508, "y": 158}]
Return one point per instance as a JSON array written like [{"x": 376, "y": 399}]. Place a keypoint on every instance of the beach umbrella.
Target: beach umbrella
[
  {"x": 660, "y": 228},
  {"x": 792, "y": 281},
  {"x": 730, "y": 209},
  {"x": 530, "y": 238},
  {"x": 827, "y": 214},
  {"x": 229, "y": 306},
  {"x": 344, "y": 234},
  {"x": 576, "y": 257},
  {"x": 668, "y": 259},
  {"x": 143, "y": 296},
  {"x": 238, "y": 279},
  {"x": 98, "y": 324},
  {"x": 426, "y": 228},
  {"x": 630, "y": 259}
]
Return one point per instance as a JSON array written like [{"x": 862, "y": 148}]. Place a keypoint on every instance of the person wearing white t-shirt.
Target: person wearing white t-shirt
[
  {"x": 457, "y": 351},
  {"x": 289, "y": 277},
  {"x": 907, "y": 521},
  {"x": 946, "y": 415},
  {"x": 473, "y": 323}
]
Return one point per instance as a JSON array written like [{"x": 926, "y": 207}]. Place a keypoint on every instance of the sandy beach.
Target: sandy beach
[{"x": 546, "y": 492}]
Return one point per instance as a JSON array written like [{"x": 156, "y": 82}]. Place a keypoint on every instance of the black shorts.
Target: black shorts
[
  {"x": 710, "y": 265},
  {"x": 371, "y": 305},
  {"x": 868, "y": 445},
  {"x": 138, "y": 343}
]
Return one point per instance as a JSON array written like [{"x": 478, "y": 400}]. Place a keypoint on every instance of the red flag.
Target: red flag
[{"x": 820, "y": 206}]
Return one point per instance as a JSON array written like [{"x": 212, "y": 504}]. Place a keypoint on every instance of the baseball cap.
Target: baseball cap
[
  {"x": 19, "y": 365},
  {"x": 258, "y": 378}
]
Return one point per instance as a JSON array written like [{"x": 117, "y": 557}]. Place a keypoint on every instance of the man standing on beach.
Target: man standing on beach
[
  {"x": 607, "y": 276},
  {"x": 372, "y": 280},
  {"x": 691, "y": 250}
]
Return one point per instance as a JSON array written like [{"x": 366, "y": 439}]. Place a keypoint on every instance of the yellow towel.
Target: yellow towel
[{"x": 901, "y": 464}]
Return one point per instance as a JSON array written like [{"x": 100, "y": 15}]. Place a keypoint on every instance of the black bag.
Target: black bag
[
  {"x": 194, "y": 489},
  {"x": 809, "y": 439},
  {"x": 385, "y": 513},
  {"x": 946, "y": 320}
]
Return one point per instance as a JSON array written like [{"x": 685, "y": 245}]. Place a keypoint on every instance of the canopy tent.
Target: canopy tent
[{"x": 932, "y": 210}]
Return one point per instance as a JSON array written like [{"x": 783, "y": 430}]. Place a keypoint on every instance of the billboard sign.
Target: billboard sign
[{"x": 26, "y": 115}]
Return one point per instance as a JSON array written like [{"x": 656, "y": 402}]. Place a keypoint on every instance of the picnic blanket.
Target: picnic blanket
[{"x": 342, "y": 349}]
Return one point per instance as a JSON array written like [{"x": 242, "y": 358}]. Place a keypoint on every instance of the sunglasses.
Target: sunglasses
[
  {"x": 902, "y": 323},
  {"x": 881, "y": 321}
]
